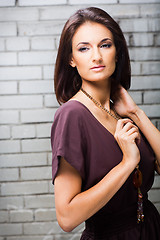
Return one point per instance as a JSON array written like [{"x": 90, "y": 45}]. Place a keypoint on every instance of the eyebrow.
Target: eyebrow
[{"x": 86, "y": 43}]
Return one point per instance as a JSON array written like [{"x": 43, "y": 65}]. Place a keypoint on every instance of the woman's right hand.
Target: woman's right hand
[{"x": 127, "y": 136}]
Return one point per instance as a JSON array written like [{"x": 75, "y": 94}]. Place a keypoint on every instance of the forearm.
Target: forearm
[
  {"x": 151, "y": 133},
  {"x": 87, "y": 203}
]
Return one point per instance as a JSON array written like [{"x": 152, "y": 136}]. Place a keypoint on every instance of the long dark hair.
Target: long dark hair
[{"x": 67, "y": 80}]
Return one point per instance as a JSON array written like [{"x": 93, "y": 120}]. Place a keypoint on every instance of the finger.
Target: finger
[
  {"x": 121, "y": 123},
  {"x": 134, "y": 135},
  {"x": 129, "y": 126}
]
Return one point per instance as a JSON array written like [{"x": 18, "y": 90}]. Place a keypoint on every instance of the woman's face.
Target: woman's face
[{"x": 93, "y": 52}]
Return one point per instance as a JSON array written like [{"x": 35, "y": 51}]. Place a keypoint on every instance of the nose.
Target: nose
[{"x": 96, "y": 55}]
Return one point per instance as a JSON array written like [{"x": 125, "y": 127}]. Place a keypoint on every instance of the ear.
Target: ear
[{"x": 72, "y": 63}]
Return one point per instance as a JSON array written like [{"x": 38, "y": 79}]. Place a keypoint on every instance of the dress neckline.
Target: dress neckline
[{"x": 100, "y": 124}]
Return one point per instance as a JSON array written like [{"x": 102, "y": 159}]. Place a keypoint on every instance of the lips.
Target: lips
[{"x": 98, "y": 67}]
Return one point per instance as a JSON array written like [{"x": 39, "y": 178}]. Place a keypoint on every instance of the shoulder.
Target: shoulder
[
  {"x": 71, "y": 109},
  {"x": 69, "y": 118}
]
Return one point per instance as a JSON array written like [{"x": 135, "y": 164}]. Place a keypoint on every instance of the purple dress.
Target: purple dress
[{"x": 91, "y": 149}]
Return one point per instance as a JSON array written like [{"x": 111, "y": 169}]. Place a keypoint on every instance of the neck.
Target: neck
[{"x": 99, "y": 91}]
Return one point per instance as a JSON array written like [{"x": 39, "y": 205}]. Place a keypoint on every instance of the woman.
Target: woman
[{"x": 99, "y": 155}]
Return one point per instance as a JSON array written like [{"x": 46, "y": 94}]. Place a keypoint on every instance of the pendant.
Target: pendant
[
  {"x": 137, "y": 181},
  {"x": 140, "y": 215}
]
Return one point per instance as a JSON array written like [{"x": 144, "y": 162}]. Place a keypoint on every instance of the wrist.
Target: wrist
[
  {"x": 129, "y": 164},
  {"x": 136, "y": 114}
]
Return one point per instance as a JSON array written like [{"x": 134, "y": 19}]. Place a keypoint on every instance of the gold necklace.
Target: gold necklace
[
  {"x": 137, "y": 176},
  {"x": 100, "y": 106}
]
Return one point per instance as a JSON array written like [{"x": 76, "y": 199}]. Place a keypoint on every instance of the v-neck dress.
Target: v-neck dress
[{"x": 93, "y": 151}]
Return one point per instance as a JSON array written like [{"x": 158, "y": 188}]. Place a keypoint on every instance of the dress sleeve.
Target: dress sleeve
[{"x": 67, "y": 141}]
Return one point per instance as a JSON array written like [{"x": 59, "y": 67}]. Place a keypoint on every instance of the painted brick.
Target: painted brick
[
  {"x": 135, "y": 68},
  {"x": 60, "y": 12},
  {"x": 39, "y": 201},
  {"x": 8, "y": 29},
  {"x": 20, "y": 73},
  {"x": 7, "y": 229},
  {"x": 23, "y": 160},
  {"x": 138, "y": 1},
  {"x": 137, "y": 97},
  {"x": 44, "y": 115},
  {"x": 41, "y": 2},
  {"x": 17, "y": 44},
  {"x": 48, "y": 72},
  {"x": 51, "y": 101},
  {"x": 118, "y": 11},
  {"x": 8, "y": 59},
  {"x": 64, "y": 12},
  {"x": 145, "y": 39},
  {"x": 43, "y": 130},
  {"x": 7, "y": 3},
  {"x": 24, "y": 188},
  {"x": 23, "y": 131},
  {"x": 36, "y": 58},
  {"x": 9, "y": 116},
  {"x": 4, "y": 216},
  {"x": 134, "y": 25},
  {"x": 50, "y": 159},
  {"x": 143, "y": 54},
  {"x": 9, "y": 146},
  {"x": 57, "y": 40},
  {"x": 36, "y": 86},
  {"x": 153, "y": 195},
  {"x": 145, "y": 82},
  {"x": 157, "y": 40},
  {"x": 8, "y": 203},
  {"x": 8, "y": 88},
  {"x": 150, "y": 68},
  {"x": 151, "y": 110},
  {"x": 36, "y": 145},
  {"x": 21, "y": 216},
  {"x": 151, "y": 10},
  {"x": 19, "y": 14},
  {"x": 90, "y": 2},
  {"x": 2, "y": 45},
  {"x": 40, "y": 28},
  {"x": 43, "y": 43},
  {"x": 42, "y": 237},
  {"x": 36, "y": 173},
  {"x": 45, "y": 215},
  {"x": 42, "y": 228},
  {"x": 4, "y": 132},
  {"x": 51, "y": 187},
  {"x": 156, "y": 182},
  {"x": 154, "y": 25},
  {"x": 151, "y": 97},
  {"x": 18, "y": 102},
  {"x": 9, "y": 174}
]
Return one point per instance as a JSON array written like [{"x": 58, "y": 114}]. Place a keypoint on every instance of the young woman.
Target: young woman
[{"x": 104, "y": 151}]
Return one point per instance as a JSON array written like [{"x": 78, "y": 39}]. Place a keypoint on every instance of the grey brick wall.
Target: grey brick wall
[{"x": 29, "y": 36}]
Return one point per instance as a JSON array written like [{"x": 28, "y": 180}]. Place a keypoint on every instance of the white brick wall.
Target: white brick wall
[{"x": 29, "y": 38}]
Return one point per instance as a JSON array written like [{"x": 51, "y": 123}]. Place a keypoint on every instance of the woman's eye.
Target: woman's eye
[
  {"x": 106, "y": 45},
  {"x": 83, "y": 49}
]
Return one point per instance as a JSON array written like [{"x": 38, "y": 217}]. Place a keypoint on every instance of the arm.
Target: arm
[
  {"x": 73, "y": 206},
  {"x": 125, "y": 106}
]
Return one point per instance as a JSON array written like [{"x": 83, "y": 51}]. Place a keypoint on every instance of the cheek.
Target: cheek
[{"x": 81, "y": 64}]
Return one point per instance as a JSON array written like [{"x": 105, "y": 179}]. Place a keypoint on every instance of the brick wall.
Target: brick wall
[{"x": 29, "y": 35}]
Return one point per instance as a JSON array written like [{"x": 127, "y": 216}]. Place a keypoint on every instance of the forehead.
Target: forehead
[{"x": 91, "y": 31}]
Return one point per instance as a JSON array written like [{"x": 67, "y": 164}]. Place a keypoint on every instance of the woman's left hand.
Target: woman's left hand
[{"x": 124, "y": 104}]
